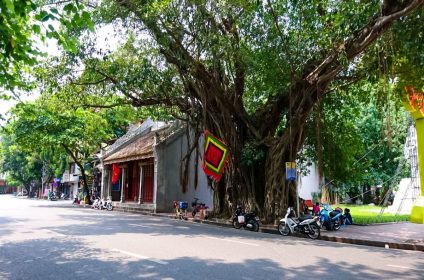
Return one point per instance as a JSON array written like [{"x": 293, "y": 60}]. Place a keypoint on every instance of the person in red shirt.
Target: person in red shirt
[{"x": 315, "y": 209}]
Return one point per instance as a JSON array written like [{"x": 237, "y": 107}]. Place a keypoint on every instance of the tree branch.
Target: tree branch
[
  {"x": 316, "y": 78},
  {"x": 105, "y": 106},
  {"x": 89, "y": 83},
  {"x": 361, "y": 39}
]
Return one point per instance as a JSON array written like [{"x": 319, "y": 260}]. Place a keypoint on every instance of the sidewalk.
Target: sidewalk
[{"x": 404, "y": 235}]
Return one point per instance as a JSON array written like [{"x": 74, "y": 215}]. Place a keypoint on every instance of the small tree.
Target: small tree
[{"x": 22, "y": 167}]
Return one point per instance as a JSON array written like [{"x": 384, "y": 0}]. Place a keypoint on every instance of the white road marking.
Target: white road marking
[
  {"x": 139, "y": 256},
  {"x": 234, "y": 241},
  {"x": 54, "y": 232},
  {"x": 136, "y": 225},
  {"x": 403, "y": 267}
]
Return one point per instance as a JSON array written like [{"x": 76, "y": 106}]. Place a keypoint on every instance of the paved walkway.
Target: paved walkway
[{"x": 407, "y": 236}]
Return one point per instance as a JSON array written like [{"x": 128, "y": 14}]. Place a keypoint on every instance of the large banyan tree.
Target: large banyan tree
[{"x": 250, "y": 72}]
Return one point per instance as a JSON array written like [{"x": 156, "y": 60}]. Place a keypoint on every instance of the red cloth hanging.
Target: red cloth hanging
[
  {"x": 116, "y": 171},
  {"x": 215, "y": 156}
]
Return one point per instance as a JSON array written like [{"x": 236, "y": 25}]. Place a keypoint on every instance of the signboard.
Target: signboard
[
  {"x": 291, "y": 171},
  {"x": 56, "y": 182}
]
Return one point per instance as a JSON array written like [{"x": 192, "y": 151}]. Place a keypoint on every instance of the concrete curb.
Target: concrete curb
[
  {"x": 374, "y": 243},
  {"x": 271, "y": 230},
  {"x": 347, "y": 240}
]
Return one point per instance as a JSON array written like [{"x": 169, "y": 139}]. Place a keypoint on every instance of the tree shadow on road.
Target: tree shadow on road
[
  {"x": 6, "y": 227},
  {"x": 64, "y": 258},
  {"x": 88, "y": 222}
]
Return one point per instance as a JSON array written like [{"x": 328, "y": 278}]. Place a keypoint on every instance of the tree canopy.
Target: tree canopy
[
  {"x": 21, "y": 166},
  {"x": 25, "y": 25},
  {"x": 255, "y": 73},
  {"x": 58, "y": 134}
]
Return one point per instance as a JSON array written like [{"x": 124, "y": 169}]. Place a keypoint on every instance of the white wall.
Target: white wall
[
  {"x": 403, "y": 198},
  {"x": 309, "y": 184},
  {"x": 169, "y": 155}
]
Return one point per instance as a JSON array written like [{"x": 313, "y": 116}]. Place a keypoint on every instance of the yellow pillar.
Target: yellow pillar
[
  {"x": 417, "y": 212},
  {"x": 414, "y": 105}
]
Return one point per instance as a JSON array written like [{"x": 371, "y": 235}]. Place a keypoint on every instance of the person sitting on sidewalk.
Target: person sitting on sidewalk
[{"x": 347, "y": 218}]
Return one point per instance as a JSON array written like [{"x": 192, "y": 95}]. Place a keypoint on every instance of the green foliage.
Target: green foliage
[
  {"x": 244, "y": 69},
  {"x": 16, "y": 48},
  {"x": 251, "y": 154},
  {"x": 54, "y": 126},
  {"x": 272, "y": 56},
  {"x": 22, "y": 167},
  {"x": 54, "y": 134},
  {"x": 363, "y": 129},
  {"x": 22, "y": 22},
  {"x": 385, "y": 145},
  {"x": 339, "y": 136}
]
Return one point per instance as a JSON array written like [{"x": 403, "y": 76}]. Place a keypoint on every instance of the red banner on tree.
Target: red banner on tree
[
  {"x": 215, "y": 156},
  {"x": 116, "y": 171}
]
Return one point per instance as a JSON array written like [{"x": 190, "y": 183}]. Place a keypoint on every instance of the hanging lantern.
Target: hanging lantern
[{"x": 291, "y": 171}]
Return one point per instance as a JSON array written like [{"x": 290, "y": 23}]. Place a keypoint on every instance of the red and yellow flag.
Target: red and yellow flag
[{"x": 215, "y": 156}]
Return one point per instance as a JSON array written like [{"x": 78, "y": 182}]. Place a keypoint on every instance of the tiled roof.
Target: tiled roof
[{"x": 139, "y": 149}]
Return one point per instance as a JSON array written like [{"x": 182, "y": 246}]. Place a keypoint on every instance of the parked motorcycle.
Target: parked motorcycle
[
  {"x": 329, "y": 218},
  {"x": 197, "y": 207},
  {"x": 106, "y": 204},
  {"x": 305, "y": 225},
  {"x": 96, "y": 203},
  {"x": 247, "y": 220},
  {"x": 52, "y": 196}
]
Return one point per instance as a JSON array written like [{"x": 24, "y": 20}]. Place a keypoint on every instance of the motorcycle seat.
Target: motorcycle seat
[
  {"x": 305, "y": 217},
  {"x": 334, "y": 213}
]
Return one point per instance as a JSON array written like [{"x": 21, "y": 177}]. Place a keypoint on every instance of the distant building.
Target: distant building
[
  {"x": 148, "y": 160},
  {"x": 70, "y": 182}
]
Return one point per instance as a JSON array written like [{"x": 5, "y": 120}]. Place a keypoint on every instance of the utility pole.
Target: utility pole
[{"x": 43, "y": 174}]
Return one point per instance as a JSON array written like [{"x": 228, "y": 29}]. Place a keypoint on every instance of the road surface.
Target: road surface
[{"x": 55, "y": 240}]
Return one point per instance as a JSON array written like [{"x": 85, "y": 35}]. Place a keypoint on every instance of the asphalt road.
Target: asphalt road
[{"x": 54, "y": 240}]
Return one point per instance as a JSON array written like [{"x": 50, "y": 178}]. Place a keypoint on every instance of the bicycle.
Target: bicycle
[
  {"x": 181, "y": 209},
  {"x": 198, "y": 207}
]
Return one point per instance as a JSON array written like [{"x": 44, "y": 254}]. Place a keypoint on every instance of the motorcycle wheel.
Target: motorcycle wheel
[
  {"x": 255, "y": 225},
  {"x": 193, "y": 213},
  {"x": 236, "y": 224},
  {"x": 283, "y": 229},
  {"x": 109, "y": 207},
  {"x": 316, "y": 232},
  {"x": 337, "y": 224}
]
